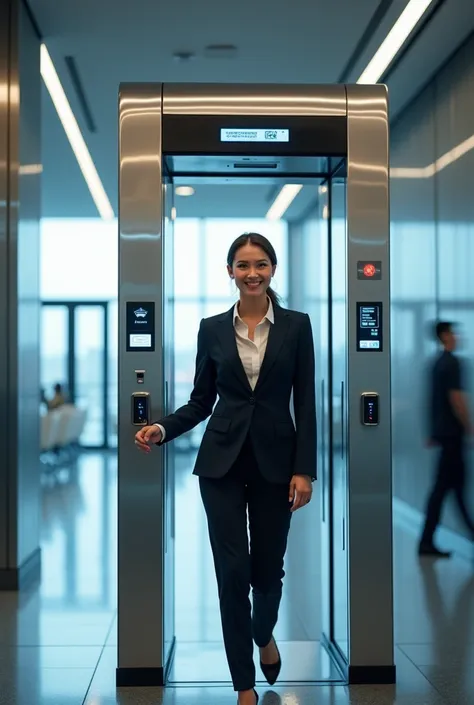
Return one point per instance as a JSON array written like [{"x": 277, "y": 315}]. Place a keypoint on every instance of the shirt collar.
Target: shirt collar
[{"x": 270, "y": 314}]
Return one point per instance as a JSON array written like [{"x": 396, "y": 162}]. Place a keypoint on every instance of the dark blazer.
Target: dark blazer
[{"x": 288, "y": 365}]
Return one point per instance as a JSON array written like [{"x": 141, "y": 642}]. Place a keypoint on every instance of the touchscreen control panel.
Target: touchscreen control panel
[{"x": 369, "y": 327}]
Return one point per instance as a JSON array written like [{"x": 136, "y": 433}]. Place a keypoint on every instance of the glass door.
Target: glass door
[
  {"x": 169, "y": 450},
  {"x": 338, "y": 266},
  {"x": 54, "y": 349},
  {"x": 74, "y": 354}
]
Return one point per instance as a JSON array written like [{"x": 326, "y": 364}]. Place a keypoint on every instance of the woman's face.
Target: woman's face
[{"x": 252, "y": 270}]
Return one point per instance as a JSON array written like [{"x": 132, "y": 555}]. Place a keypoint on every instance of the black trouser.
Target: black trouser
[
  {"x": 451, "y": 475},
  {"x": 237, "y": 567}
]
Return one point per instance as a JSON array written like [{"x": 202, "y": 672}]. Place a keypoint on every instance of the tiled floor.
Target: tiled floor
[{"x": 58, "y": 643}]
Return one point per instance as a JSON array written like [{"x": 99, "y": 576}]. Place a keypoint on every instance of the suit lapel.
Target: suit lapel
[
  {"x": 276, "y": 337},
  {"x": 226, "y": 335}
]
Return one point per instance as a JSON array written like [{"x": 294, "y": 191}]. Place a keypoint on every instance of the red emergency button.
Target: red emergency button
[{"x": 369, "y": 270}]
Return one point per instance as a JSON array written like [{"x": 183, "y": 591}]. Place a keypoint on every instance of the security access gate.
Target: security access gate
[{"x": 333, "y": 136}]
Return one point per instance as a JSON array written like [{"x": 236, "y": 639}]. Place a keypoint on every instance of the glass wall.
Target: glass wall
[
  {"x": 79, "y": 286},
  {"x": 79, "y": 259},
  {"x": 432, "y": 250}
]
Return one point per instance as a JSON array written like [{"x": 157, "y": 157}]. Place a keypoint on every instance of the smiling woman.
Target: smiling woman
[
  {"x": 252, "y": 262},
  {"x": 202, "y": 286}
]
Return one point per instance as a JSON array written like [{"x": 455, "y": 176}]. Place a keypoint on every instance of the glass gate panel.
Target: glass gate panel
[
  {"x": 337, "y": 213},
  {"x": 169, "y": 450}
]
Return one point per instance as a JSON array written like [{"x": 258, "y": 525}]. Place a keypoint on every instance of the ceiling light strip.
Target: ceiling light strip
[
  {"x": 76, "y": 140},
  {"x": 394, "y": 40},
  {"x": 446, "y": 159},
  {"x": 286, "y": 196}
]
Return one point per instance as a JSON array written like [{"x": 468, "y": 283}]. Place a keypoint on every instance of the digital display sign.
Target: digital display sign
[
  {"x": 140, "y": 326},
  {"x": 254, "y": 135},
  {"x": 369, "y": 327}
]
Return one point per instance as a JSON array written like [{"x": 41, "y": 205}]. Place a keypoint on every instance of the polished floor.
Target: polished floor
[{"x": 58, "y": 641}]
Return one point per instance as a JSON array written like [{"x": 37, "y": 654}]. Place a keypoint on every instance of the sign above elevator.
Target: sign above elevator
[
  {"x": 254, "y": 135},
  {"x": 282, "y": 135}
]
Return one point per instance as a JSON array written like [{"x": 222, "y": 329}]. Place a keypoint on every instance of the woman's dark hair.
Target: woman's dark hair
[{"x": 259, "y": 241}]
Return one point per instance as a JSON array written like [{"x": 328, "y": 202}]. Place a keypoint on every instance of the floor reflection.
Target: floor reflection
[{"x": 58, "y": 642}]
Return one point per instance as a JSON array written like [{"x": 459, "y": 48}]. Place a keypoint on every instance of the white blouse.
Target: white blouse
[{"x": 252, "y": 352}]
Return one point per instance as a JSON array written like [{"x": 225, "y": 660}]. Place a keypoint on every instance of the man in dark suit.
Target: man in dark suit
[{"x": 450, "y": 424}]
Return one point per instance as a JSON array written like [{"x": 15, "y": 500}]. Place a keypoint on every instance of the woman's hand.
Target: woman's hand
[
  {"x": 301, "y": 490},
  {"x": 146, "y": 436}
]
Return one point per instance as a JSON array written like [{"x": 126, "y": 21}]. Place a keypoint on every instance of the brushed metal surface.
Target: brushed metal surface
[
  {"x": 20, "y": 130},
  {"x": 140, "y": 477},
  {"x": 369, "y": 450},
  {"x": 253, "y": 99},
  {"x": 13, "y": 161},
  {"x": 4, "y": 83},
  {"x": 25, "y": 309}
]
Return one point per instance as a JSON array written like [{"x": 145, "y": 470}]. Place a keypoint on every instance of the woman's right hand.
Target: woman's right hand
[{"x": 146, "y": 436}]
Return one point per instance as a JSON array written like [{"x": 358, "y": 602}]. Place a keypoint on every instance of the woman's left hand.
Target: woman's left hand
[{"x": 301, "y": 490}]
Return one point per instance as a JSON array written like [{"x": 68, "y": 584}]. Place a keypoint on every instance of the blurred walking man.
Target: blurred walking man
[{"x": 450, "y": 425}]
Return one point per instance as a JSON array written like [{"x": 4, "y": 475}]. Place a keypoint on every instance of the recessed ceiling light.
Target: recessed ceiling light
[
  {"x": 30, "y": 169},
  {"x": 184, "y": 191}
]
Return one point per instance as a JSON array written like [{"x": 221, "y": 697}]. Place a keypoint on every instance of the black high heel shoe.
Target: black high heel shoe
[{"x": 271, "y": 671}]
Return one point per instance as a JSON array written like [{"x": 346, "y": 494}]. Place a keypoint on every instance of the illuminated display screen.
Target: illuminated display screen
[
  {"x": 369, "y": 327},
  {"x": 140, "y": 317},
  {"x": 257, "y": 135},
  {"x": 140, "y": 341}
]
